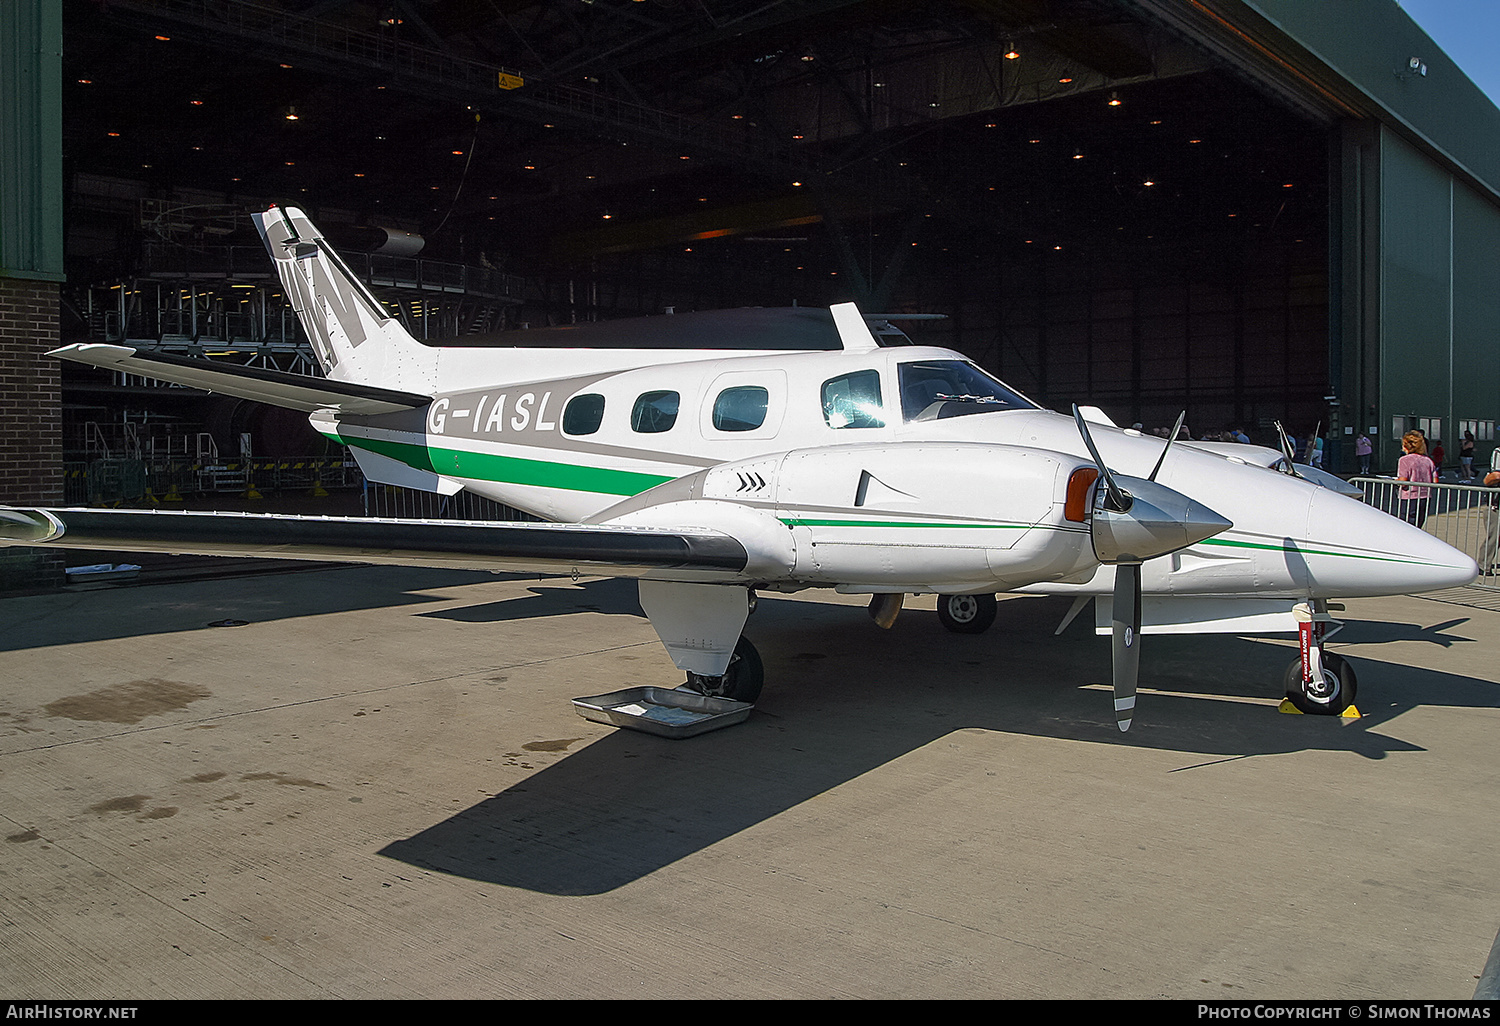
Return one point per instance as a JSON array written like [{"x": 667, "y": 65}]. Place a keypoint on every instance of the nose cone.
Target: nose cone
[
  {"x": 1358, "y": 550},
  {"x": 1159, "y": 521}
]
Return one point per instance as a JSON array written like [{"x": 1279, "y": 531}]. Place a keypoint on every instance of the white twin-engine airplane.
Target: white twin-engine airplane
[{"x": 712, "y": 471}]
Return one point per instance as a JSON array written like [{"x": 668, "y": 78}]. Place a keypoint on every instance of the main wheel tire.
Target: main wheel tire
[
  {"x": 1330, "y": 698},
  {"x": 741, "y": 682},
  {"x": 967, "y": 614}
]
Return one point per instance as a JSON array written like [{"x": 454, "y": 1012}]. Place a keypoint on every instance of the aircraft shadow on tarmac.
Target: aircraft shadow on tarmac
[
  {"x": 1364, "y": 632},
  {"x": 131, "y": 610},
  {"x": 553, "y": 597},
  {"x": 843, "y": 698}
]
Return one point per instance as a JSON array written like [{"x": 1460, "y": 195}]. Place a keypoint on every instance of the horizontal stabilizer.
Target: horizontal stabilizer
[
  {"x": 462, "y": 545},
  {"x": 293, "y": 391},
  {"x": 384, "y": 470}
]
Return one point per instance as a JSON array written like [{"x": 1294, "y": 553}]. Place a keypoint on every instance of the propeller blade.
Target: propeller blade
[
  {"x": 1286, "y": 450},
  {"x": 1128, "y": 528},
  {"x": 1125, "y": 623},
  {"x": 1117, "y": 499},
  {"x": 1172, "y": 438}
]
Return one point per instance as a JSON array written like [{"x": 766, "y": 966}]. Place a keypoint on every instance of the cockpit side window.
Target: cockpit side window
[
  {"x": 937, "y": 389},
  {"x": 853, "y": 401}
]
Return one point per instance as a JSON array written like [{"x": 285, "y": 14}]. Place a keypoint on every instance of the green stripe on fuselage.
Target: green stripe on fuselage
[
  {"x": 1283, "y": 547},
  {"x": 509, "y": 469}
]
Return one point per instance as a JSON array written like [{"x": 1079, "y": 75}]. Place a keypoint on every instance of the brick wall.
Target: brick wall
[{"x": 31, "y": 471}]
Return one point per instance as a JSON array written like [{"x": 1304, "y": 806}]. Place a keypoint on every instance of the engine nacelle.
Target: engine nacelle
[{"x": 941, "y": 517}]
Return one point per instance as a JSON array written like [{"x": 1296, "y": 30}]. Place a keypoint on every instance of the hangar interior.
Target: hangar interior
[{"x": 1253, "y": 210}]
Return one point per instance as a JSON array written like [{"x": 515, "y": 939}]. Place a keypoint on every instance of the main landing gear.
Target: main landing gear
[
  {"x": 698, "y": 624},
  {"x": 741, "y": 682},
  {"x": 966, "y": 614},
  {"x": 1317, "y": 682}
]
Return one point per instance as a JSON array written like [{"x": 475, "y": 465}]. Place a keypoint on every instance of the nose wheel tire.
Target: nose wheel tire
[
  {"x": 966, "y": 614},
  {"x": 741, "y": 682},
  {"x": 1328, "y": 697}
]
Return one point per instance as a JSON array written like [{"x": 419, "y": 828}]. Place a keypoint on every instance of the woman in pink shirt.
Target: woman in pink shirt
[{"x": 1416, "y": 468}]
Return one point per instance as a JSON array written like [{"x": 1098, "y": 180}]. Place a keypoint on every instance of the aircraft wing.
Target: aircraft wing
[
  {"x": 294, "y": 391},
  {"x": 677, "y": 554}
]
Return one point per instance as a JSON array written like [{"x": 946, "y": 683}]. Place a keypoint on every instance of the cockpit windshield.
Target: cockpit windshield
[{"x": 938, "y": 389}]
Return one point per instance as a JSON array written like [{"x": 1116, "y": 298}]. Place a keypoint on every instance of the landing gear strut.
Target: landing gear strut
[
  {"x": 1318, "y": 682},
  {"x": 966, "y": 614},
  {"x": 741, "y": 681}
]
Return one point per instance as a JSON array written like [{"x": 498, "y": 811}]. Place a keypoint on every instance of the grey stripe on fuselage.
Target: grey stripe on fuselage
[{"x": 528, "y": 415}]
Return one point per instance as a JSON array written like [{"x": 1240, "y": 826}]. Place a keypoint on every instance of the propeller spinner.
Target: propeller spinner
[{"x": 1134, "y": 520}]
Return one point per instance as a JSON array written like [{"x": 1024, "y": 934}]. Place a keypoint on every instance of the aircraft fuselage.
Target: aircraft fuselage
[{"x": 622, "y": 422}]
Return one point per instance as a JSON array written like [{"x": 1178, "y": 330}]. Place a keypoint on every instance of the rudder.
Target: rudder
[{"x": 353, "y": 336}]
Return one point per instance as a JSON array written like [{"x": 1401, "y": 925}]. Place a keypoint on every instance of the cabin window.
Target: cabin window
[
  {"x": 853, "y": 401},
  {"x": 583, "y": 414},
  {"x": 654, "y": 412},
  {"x": 938, "y": 389},
  {"x": 741, "y": 409}
]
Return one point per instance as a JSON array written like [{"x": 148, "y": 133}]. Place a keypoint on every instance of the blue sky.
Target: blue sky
[{"x": 1469, "y": 32}]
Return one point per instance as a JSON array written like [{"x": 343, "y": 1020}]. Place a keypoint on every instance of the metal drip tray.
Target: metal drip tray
[
  {"x": 102, "y": 572},
  {"x": 665, "y": 712}
]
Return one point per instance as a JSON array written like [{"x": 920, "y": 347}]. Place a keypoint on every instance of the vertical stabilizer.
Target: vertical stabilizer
[{"x": 354, "y": 337}]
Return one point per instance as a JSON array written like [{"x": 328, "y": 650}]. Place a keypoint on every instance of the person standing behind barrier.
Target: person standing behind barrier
[
  {"x": 1363, "y": 449},
  {"x": 1466, "y": 456},
  {"x": 1416, "y": 467},
  {"x": 1489, "y": 557},
  {"x": 1435, "y": 452}
]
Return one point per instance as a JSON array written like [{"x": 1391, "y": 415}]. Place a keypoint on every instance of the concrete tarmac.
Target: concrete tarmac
[{"x": 377, "y": 787}]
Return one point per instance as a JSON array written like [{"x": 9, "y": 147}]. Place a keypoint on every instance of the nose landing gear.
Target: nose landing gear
[{"x": 1319, "y": 683}]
